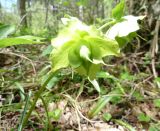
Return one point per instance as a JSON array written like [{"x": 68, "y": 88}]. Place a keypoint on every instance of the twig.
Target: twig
[
  {"x": 21, "y": 56},
  {"x": 154, "y": 50}
]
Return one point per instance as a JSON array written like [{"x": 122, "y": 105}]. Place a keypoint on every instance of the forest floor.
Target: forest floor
[{"x": 68, "y": 106}]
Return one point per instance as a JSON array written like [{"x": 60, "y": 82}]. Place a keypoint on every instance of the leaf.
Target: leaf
[
  {"x": 138, "y": 96},
  {"x": 125, "y": 27},
  {"x": 20, "y": 87},
  {"x": 93, "y": 69},
  {"x": 59, "y": 56},
  {"x": 107, "y": 116},
  {"x": 74, "y": 58},
  {"x": 157, "y": 103},
  {"x": 47, "y": 51},
  {"x": 107, "y": 46},
  {"x": 143, "y": 118},
  {"x": 122, "y": 41},
  {"x": 18, "y": 41},
  {"x": 6, "y": 30},
  {"x": 105, "y": 75},
  {"x": 95, "y": 84},
  {"x": 102, "y": 102},
  {"x": 125, "y": 124},
  {"x": 118, "y": 11},
  {"x": 56, "y": 114},
  {"x": 85, "y": 52}
]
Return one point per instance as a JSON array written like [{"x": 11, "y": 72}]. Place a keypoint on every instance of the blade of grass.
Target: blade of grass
[
  {"x": 125, "y": 124},
  {"x": 101, "y": 103},
  {"x": 24, "y": 111}
]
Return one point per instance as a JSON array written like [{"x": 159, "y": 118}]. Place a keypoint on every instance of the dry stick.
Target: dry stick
[
  {"x": 21, "y": 56},
  {"x": 37, "y": 95},
  {"x": 75, "y": 104},
  {"x": 154, "y": 49}
]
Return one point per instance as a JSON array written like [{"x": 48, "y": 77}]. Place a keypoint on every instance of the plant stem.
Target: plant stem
[
  {"x": 107, "y": 24},
  {"x": 37, "y": 95},
  {"x": 49, "y": 126},
  {"x": 80, "y": 89}
]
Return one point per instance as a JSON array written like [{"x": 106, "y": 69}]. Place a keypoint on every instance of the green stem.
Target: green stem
[
  {"x": 80, "y": 89},
  {"x": 48, "y": 118},
  {"x": 107, "y": 24},
  {"x": 37, "y": 95}
]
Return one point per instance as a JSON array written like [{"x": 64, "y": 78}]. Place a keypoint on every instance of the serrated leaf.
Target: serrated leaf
[
  {"x": 59, "y": 56},
  {"x": 118, "y": 11},
  {"x": 107, "y": 46},
  {"x": 124, "y": 28}
]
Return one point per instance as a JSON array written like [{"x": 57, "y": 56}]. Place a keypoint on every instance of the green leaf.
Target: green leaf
[
  {"x": 125, "y": 27},
  {"x": 93, "y": 69},
  {"x": 6, "y": 30},
  {"x": 59, "y": 56},
  {"x": 102, "y": 102},
  {"x": 19, "y": 40},
  {"x": 107, "y": 116},
  {"x": 138, "y": 96},
  {"x": 20, "y": 87},
  {"x": 74, "y": 58},
  {"x": 107, "y": 46},
  {"x": 157, "y": 103},
  {"x": 56, "y": 114},
  {"x": 95, "y": 84},
  {"x": 124, "y": 124},
  {"x": 122, "y": 41},
  {"x": 143, "y": 118},
  {"x": 105, "y": 75},
  {"x": 118, "y": 11},
  {"x": 47, "y": 51},
  {"x": 85, "y": 52}
]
